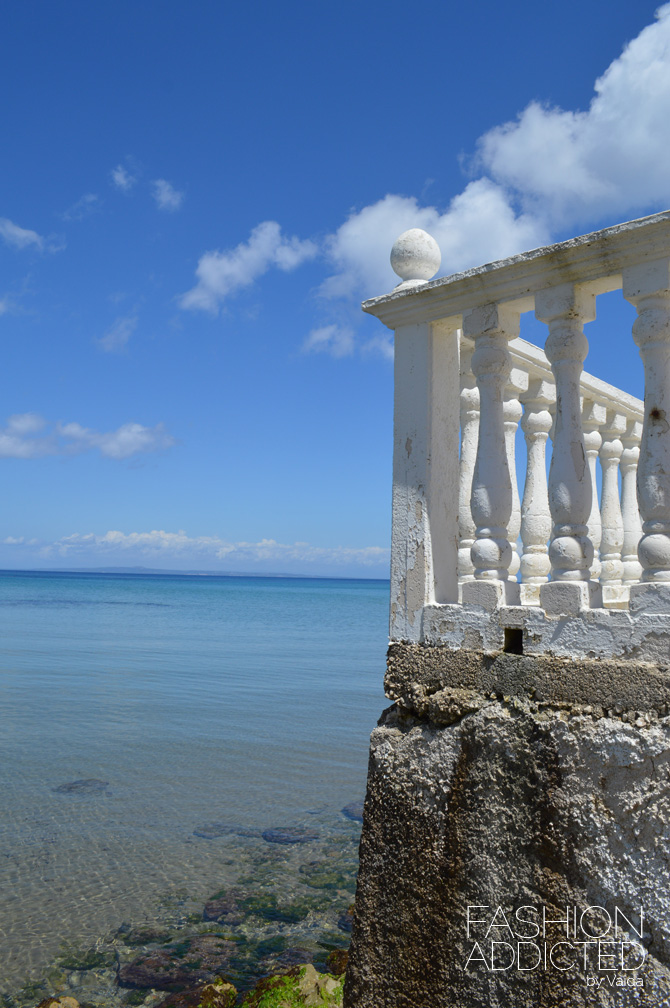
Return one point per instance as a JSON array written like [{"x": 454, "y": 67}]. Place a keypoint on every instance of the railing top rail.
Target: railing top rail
[
  {"x": 592, "y": 388},
  {"x": 596, "y": 259}
]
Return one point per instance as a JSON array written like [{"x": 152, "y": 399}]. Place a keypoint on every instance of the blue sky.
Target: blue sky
[{"x": 196, "y": 197}]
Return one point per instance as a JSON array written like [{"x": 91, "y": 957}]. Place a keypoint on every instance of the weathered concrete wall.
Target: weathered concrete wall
[{"x": 514, "y": 783}]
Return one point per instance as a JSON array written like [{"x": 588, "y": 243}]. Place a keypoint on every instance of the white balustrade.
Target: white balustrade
[
  {"x": 632, "y": 526},
  {"x": 464, "y": 382},
  {"x": 469, "y": 435},
  {"x": 593, "y": 418},
  {"x": 512, "y": 411},
  {"x": 565, "y": 309},
  {"x": 535, "y": 515},
  {"x": 611, "y": 565},
  {"x": 647, "y": 286},
  {"x": 491, "y": 328}
]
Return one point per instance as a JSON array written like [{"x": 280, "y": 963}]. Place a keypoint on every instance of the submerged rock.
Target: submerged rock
[
  {"x": 322, "y": 875},
  {"x": 336, "y": 961},
  {"x": 91, "y": 785},
  {"x": 210, "y": 831},
  {"x": 59, "y": 1002},
  {"x": 218, "y": 994},
  {"x": 286, "y": 960},
  {"x": 354, "y": 811},
  {"x": 289, "y": 835},
  {"x": 143, "y": 935},
  {"x": 345, "y": 921},
  {"x": 224, "y": 907},
  {"x": 180, "y": 965},
  {"x": 302, "y": 986}
]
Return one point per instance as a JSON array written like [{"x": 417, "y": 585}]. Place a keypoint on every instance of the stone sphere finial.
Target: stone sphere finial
[{"x": 415, "y": 257}]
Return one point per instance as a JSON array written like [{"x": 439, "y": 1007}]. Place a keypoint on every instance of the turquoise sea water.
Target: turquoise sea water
[{"x": 238, "y": 700}]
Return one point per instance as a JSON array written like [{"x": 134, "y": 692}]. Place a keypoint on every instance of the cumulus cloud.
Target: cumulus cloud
[
  {"x": 122, "y": 178},
  {"x": 166, "y": 196},
  {"x": 116, "y": 338},
  {"x": 18, "y": 237},
  {"x": 159, "y": 545},
  {"x": 548, "y": 171},
  {"x": 479, "y": 225},
  {"x": 532, "y": 181},
  {"x": 84, "y": 206},
  {"x": 608, "y": 160},
  {"x": 221, "y": 274},
  {"x": 29, "y": 436}
]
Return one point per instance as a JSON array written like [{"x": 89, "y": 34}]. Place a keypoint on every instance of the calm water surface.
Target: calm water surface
[{"x": 239, "y": 700}]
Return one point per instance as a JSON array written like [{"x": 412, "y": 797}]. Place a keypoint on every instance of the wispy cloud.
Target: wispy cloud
[
  {"x": 161, "y": 546},
  {"x": 122, "y": 178},
  {"x": 116, "y": 338},
  {"x": 221, "y": 274},
  {"x": 84, "y": 206},
  {"x": 335, "y": 340},
  {"x": 18, "y": 237},
  {"x": 30, "y": 436},
  {"x": 166, "y": 196}
]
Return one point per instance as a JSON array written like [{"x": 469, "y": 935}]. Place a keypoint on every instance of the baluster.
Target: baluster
[
  {"x": 512, "y": 410},
  {"x": 647, "y": 286},
  {"x": 469, "y": 434},
  {"x": 491, "y": 327},
  {"x": 611, "y": 567},
  {"x": 535, "y": 516},
  {"x": 632, "y": 527},
  {"x": 593, "y": 417},
  {"x": 565, "y": 309}
]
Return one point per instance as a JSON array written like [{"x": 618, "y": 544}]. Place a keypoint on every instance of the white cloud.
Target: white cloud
[
  {"x": 28, "y": 435},
  {"x": 122, "y": 178},
  {"x": 84, "y": 206},
  {"x": 18, "y": 237},
  {"x": 221, "y": 274},
  {"x": 610, "y": 159},
  {"x": 129, "y": 439},
  {"x": 166, "y": 196},
  {"x": 118, "y": 334},
  {"x": 548, "y": 171},
  {"x": 162, "y": 546},
  {"x": 17, "y": 440},
  {"x": 479, "y": 225},
  {"x": 338, "y": 341}
]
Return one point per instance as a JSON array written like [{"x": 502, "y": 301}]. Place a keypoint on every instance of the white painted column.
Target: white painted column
[
  {"x": 424, "y": 547},
  {"x": 632, "y": 526},
  {"x": 647, "y": 286},
  {"x": 535, "y": 516},
  {"x": 593, "y": 417},
  {"x": 565, "y": 309},
  {"x": 491, "y": 327},
  {"x": 512, "y": 410},
  {"x": 611, "y": 543},
  {"x": 469, "y": 435}
]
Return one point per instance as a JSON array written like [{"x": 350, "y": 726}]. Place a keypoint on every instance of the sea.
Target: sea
[{"x": 153, "y": 727}]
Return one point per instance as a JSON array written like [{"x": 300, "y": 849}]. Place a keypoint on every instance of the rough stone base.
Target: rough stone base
[{"x": 488, "y": 799}]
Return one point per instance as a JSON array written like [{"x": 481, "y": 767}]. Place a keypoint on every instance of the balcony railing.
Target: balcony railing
[{"x": 478, "y": 552}]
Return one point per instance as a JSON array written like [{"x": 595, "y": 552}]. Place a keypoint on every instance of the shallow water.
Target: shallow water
[{"x": 244, "y": 701}]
